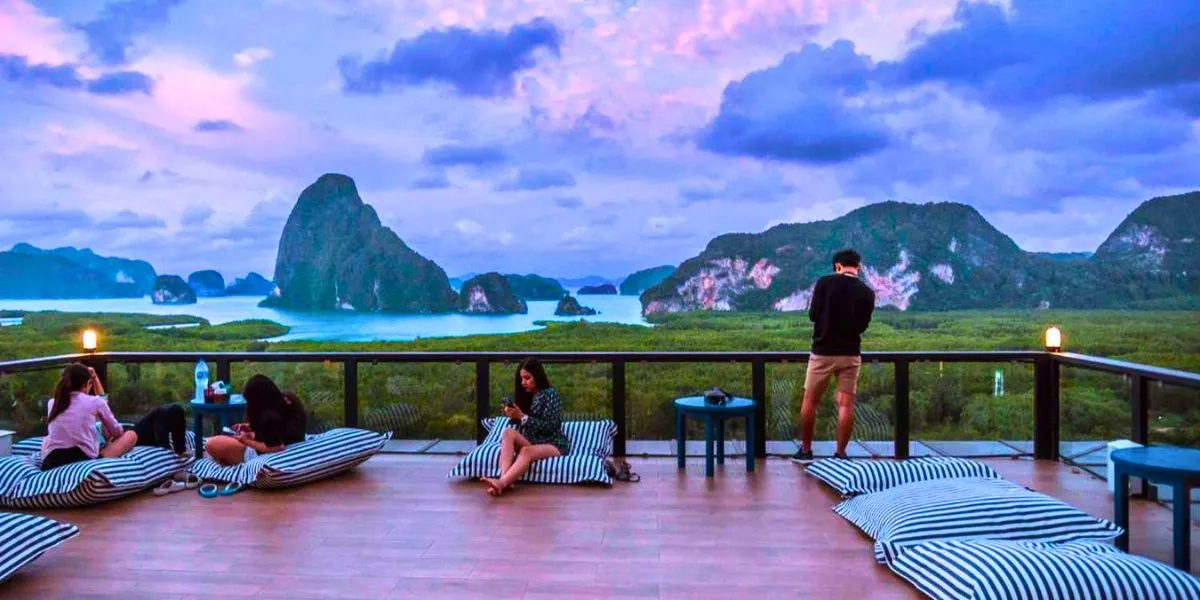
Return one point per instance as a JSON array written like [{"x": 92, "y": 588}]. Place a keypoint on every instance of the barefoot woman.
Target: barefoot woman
[{"x": 537, "y": 410}]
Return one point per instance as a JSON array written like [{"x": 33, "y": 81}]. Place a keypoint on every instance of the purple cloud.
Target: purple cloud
[
  {"x": 1035, "y": 51},
  {"x": 453, "y": 155},
  {"x": 475, "y": 63},
  {"x": 127, "y": 219},
  {"x": 110, "y": 35},
  {"x": 217, "y": 126},
  {"x": 433, "y": 181},
  {"x": 532, "y": 179},
  {"x": 120, "y": 83},
  {"x": 195, "y": 216},
  {"x": 797, "y": 112},
  {"x": 18, "y": 69}
]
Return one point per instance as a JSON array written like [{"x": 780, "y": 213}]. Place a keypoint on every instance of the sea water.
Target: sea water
[{"x": 345, "y": 326}]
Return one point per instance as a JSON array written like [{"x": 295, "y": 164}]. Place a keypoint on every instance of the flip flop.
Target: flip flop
[
  {"x": 210, "y": 490},
  {"x": 191, "y": 481},
  {"x": 169, "y": 486}
]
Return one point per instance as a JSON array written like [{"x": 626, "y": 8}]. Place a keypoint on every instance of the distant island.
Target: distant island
[
  {"x": 640, "y": 281},
  {"x": 568, "y": 306},
  {"x": 252, "y": 284},
  {"x": 172, "y": 289},
  {"x": 597, "y": 290},
  {"x": 942, "y": 256},
  {"x": 29, "y": 272},
  {"x": 535, "y": 287},
  {"x": 490, "y": 294}
]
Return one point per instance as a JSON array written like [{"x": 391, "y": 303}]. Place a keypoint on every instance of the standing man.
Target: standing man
[{"x": 840, "y": 310}]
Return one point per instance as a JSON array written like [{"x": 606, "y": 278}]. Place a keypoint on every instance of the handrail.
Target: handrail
[
  {"x": 17, "y": 366},
  {"x": 1046, "y": 366},
  {"x": 1120, "y": 367}
]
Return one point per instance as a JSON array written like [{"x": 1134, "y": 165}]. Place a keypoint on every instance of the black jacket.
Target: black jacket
[{"x": 840, "y": 310}]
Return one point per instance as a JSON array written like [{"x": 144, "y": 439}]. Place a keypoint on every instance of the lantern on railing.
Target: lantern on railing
[
  {"x": 90, "y": 340},
  {"x": 1053, "y": 339}
]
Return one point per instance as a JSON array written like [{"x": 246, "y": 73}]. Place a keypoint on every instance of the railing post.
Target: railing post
[
  {"x": 1045, "y": 408},
  {"x": 901, "y": 433},
  {"x": 101, "y": 367},
  {"x": 758, "y": 384},
  {"x": 223, "y": 371},
  {"x": 618, "y": 405},
  {"x": 1139, "y": 426},
  {"x": 350, "y": 396},
  {"x": 483, "y": 394}
]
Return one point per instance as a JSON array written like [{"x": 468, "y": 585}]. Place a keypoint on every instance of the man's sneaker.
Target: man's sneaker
[
  {"x": 802, "y": 457},
  {"x": 841, "y": 456}
]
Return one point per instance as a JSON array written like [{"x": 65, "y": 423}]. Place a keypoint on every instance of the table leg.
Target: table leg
[
  {"x": 1181, "y": 507},
  {"x": 198, "y": 431},
  {"x": 1121, "y": 506},
  {"x": 720, "y": 441},
  {"x": 750, "y": 443},
  {"x": 709, "y": 468},
  {"x": 679, "y": 437}
]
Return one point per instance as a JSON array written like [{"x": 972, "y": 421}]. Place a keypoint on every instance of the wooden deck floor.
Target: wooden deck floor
[{"x": 395, "y": 528}]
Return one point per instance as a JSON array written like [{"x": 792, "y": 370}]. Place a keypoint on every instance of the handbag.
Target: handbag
[{"x": 717, "y": 396}]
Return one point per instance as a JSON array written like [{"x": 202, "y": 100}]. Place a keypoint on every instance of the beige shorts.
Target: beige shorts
[{"x": 845, "y": 368}]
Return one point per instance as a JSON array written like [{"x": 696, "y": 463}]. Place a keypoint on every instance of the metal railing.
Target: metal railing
[{"x": 1046, "y": 385}]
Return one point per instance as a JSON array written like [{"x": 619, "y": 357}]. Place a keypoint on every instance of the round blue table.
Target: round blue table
[
  {"x": 227, "y": 413},
  {"x": 714, "y": 416},
  {"x": 1176, "y": 467}
]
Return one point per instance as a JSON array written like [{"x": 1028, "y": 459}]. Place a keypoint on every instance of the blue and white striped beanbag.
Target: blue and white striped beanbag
[
  {"x": 851, "y": 477},
  {"x": 1004, "y": 570},
  {"x": 967, "y": 509},
  {"x": 590, "y": 442},
  {"x": 24, "y": 538},
  {"x": 24, "y": 485},
  {"x": 318, "y": 457}
]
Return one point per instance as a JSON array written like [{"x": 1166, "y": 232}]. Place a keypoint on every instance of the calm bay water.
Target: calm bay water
[{"x": 348, "y": 326}]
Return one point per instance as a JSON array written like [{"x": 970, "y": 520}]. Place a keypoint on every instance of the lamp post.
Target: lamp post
[
  {"x": 1054, "y": 339},
  {"x": 90, "y": 340}
]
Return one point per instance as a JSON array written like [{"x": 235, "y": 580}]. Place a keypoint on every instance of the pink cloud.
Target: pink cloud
[{"x": 41, "y": 39}]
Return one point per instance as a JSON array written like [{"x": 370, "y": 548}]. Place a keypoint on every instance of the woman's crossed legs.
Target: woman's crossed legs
[{"x": 516, "y": 454}]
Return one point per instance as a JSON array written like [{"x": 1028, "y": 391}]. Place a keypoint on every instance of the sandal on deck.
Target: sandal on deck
[
  {"x": 623, "y": 472},
  {"x": 169, "y": 486},
  {"x": 210, "y": 490}
]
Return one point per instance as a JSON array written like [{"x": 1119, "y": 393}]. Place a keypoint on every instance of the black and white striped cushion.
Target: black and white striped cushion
[
  {"x": 1003, "y": 570},
  {"x": 318, "y": 457},
  {"x": 484, "y": 461},
  {"x": 24, "y": 538},
  {"x": 851, "y": 477},
  {"x": 24, "y": 485},
  {"x": 967, "y": 509},
  {"x": 583, "y": 437}
]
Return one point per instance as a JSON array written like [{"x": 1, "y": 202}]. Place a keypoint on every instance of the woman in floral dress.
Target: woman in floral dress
[{"x": 537, "y": 411}]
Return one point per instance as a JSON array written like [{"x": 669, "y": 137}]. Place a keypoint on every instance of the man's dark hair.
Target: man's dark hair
[{"x": 847, "y": 258}]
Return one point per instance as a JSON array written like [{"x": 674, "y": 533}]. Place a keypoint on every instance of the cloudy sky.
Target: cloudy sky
[{"x": 571, "y": 137}]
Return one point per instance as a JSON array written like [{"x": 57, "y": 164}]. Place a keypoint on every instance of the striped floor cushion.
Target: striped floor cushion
[
  {"x": 593, "y": 438},
  {"x": 24, "y": 485},
  {"x": 24, "y": 538},
  {"x": 851, "y": 477},
  {"x": 1002, "y": 570},
  {"x": 590, "y": 443},
  {"x": 318, "y": 457},
  {"x": 967, "y": 509}
]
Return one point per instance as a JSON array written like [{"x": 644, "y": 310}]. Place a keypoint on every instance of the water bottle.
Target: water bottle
[{"x": 201, "y": 380}]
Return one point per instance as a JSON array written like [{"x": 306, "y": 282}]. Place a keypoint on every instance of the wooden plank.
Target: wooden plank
[{"x": 397, "y": 528}]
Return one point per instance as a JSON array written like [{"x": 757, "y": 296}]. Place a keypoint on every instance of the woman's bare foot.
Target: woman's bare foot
[{"x": 494, "y": 487}]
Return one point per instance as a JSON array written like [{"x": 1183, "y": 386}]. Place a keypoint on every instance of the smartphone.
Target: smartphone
[
  {"x": 506, "y": 401},
  {"x": 229, "y": 431}
]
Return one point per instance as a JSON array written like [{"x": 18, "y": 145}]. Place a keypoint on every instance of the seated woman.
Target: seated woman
[
  {"x": 78, "y": 404},
  {"x": 274, "y": 420},
  {"x": 538, "y": 411}
]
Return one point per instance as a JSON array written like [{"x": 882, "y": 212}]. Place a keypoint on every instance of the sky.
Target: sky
[{"x": 569, "y": 137}]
